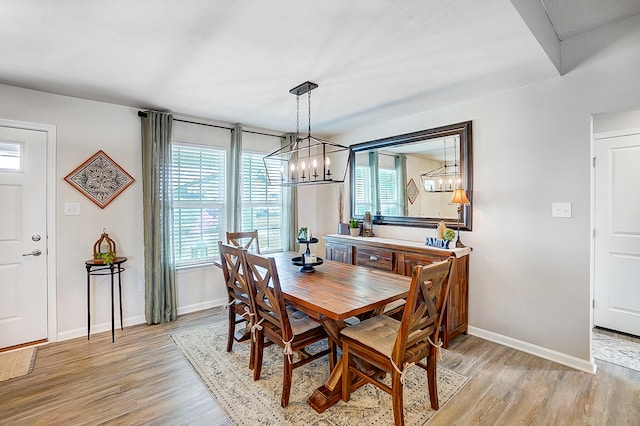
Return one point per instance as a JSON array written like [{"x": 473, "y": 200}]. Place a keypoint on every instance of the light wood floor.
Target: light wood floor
[{"x": 143, "y": 379}]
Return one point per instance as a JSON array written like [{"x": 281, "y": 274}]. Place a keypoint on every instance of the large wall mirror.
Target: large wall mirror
[{"x": 409, "y": 179}]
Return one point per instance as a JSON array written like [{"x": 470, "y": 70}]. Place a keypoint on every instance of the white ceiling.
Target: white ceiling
[{"x": 236, "y": 61}]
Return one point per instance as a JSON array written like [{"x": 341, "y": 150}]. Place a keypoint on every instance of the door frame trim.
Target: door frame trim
[
  {"x": 592, "y": 240},
  {"x": 52, "y": 307}
]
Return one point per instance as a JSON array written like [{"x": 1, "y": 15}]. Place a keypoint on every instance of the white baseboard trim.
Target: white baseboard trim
[
  {"x": 99, "y": 328},
  {"x": 140, "y": 319},
  {"x": 539, "y": 351},
  {"x": 201, "y": 306}
]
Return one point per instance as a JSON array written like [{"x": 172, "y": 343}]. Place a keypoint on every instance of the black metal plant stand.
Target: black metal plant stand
[{"x": 303, "y": 261}]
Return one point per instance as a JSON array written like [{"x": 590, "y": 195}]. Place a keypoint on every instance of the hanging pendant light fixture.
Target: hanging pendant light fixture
[
  {"x": 445, "y": 178},
  {"x": 307, "y": 160}
]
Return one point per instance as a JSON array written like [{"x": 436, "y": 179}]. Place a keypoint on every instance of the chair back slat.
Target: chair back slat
[
  {"x": 233, "y": 270},
  {"x": 269, "y": 304},
  {"x": 424, "y": 308},
  {"x": 247, "y": 239}
]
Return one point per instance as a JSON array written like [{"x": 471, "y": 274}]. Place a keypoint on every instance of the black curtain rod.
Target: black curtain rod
[{"x": 144, "y": 114}]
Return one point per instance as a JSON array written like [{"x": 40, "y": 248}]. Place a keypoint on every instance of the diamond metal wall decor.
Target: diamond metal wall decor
[
  {"x": 412, "y": 191},
  {"x": 100, "y": 179}
]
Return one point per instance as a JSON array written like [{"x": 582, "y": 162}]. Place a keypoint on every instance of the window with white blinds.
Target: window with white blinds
[
  {"x": 388, "y": 188},
  {"x": 388, "y": 184},
  {"x": 261, "y": 207},
  {"x": 363, "y": 190},
  {"x": 198, "y": 179}
]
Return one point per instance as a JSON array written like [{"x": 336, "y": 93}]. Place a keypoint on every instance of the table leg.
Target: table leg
[
  {"x": 113, "y": 332},
  {"x": 331, "y": 392},
  {"x": 120, "y": 294},
  {"x": 88, "y": 302}
]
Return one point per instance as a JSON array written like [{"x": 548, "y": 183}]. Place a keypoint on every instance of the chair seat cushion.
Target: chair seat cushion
[
  {"x": 379, "y": 333},
  {"x": 301, "y": 322}
]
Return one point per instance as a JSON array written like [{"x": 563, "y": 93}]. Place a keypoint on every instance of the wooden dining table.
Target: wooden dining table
[{"x": 331, "y": 294}]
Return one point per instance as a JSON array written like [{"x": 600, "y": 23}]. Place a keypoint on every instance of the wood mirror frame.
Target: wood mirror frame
[{"x": 463, "y": 132}]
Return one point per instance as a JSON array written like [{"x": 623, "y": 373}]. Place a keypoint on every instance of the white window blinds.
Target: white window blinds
[
  {"x": 198, "y": 179},
  {"x": 363, "y": 191},
  {"x": 388, "y": 184},
  {"x": 261, "y": 203}
]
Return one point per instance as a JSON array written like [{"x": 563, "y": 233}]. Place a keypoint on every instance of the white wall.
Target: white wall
[
  {"x": 529, "y": 272},
  {"x": 84, "y": 127}
]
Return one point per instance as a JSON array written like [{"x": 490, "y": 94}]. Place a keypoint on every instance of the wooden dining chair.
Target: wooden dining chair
[
  {"x": 393, "y": 346},
  {"x": 247, "y": 239},
  {"x": 238, "y": 295},
  {"x": 290, "y": 329}
]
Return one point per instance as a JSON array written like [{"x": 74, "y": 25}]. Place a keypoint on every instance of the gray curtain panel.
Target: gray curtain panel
[
  {"x": 234, "y": 182},
  {"x": 289, "y": 207},
  {"x": 374, "y": 165},
  {"x": 401, "y": 172},
  {"x": 159, "y": 260}
]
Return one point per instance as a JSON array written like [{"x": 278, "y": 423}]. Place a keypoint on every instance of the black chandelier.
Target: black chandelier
[{"x": 307, "y": 160}]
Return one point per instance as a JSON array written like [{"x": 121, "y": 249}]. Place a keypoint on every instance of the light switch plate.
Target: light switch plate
[
  {"x": 560, "y": 209},
  {"x": 71, "y": 209}
]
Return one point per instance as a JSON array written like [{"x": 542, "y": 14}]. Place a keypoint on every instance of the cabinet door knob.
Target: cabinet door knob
[{"x": 374, "y": 258}]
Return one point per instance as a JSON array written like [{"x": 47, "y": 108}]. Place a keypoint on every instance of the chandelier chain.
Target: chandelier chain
[
  {"x": 309, "y": 97},
  {"x": 444, "y": 143},
  {"x": 297, "y": 117}
]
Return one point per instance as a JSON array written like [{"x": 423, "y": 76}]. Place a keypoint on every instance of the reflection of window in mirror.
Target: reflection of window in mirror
[
  {"x": 380, "y": 181},
  {"x": 362, "y": 192},
  {"x": 391, "y": 181}
]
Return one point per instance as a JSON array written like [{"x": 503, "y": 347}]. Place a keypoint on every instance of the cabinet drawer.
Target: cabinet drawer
[{"x": 379, "y": 259}]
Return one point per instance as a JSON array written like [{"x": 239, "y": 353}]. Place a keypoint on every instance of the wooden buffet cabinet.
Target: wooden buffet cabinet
[{"x": 400, "y": 257}]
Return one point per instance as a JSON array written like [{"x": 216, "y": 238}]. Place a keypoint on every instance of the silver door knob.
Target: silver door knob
[{"x": 33, "y": 253}]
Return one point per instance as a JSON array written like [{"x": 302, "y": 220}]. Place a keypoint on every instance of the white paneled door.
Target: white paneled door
[
  {"x": 617, "y": 234},
  {"x": 23, "y": 236}
]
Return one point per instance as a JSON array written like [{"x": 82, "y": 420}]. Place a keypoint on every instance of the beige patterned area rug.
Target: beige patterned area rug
[
  {"x": 245, "y": 402},
  {"x": 17, "y": 363}
]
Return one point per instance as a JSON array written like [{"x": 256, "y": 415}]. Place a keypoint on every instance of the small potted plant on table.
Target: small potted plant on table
[
  {"x": 449, "y": 234},
  {"x": 354, "y": 228}
]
